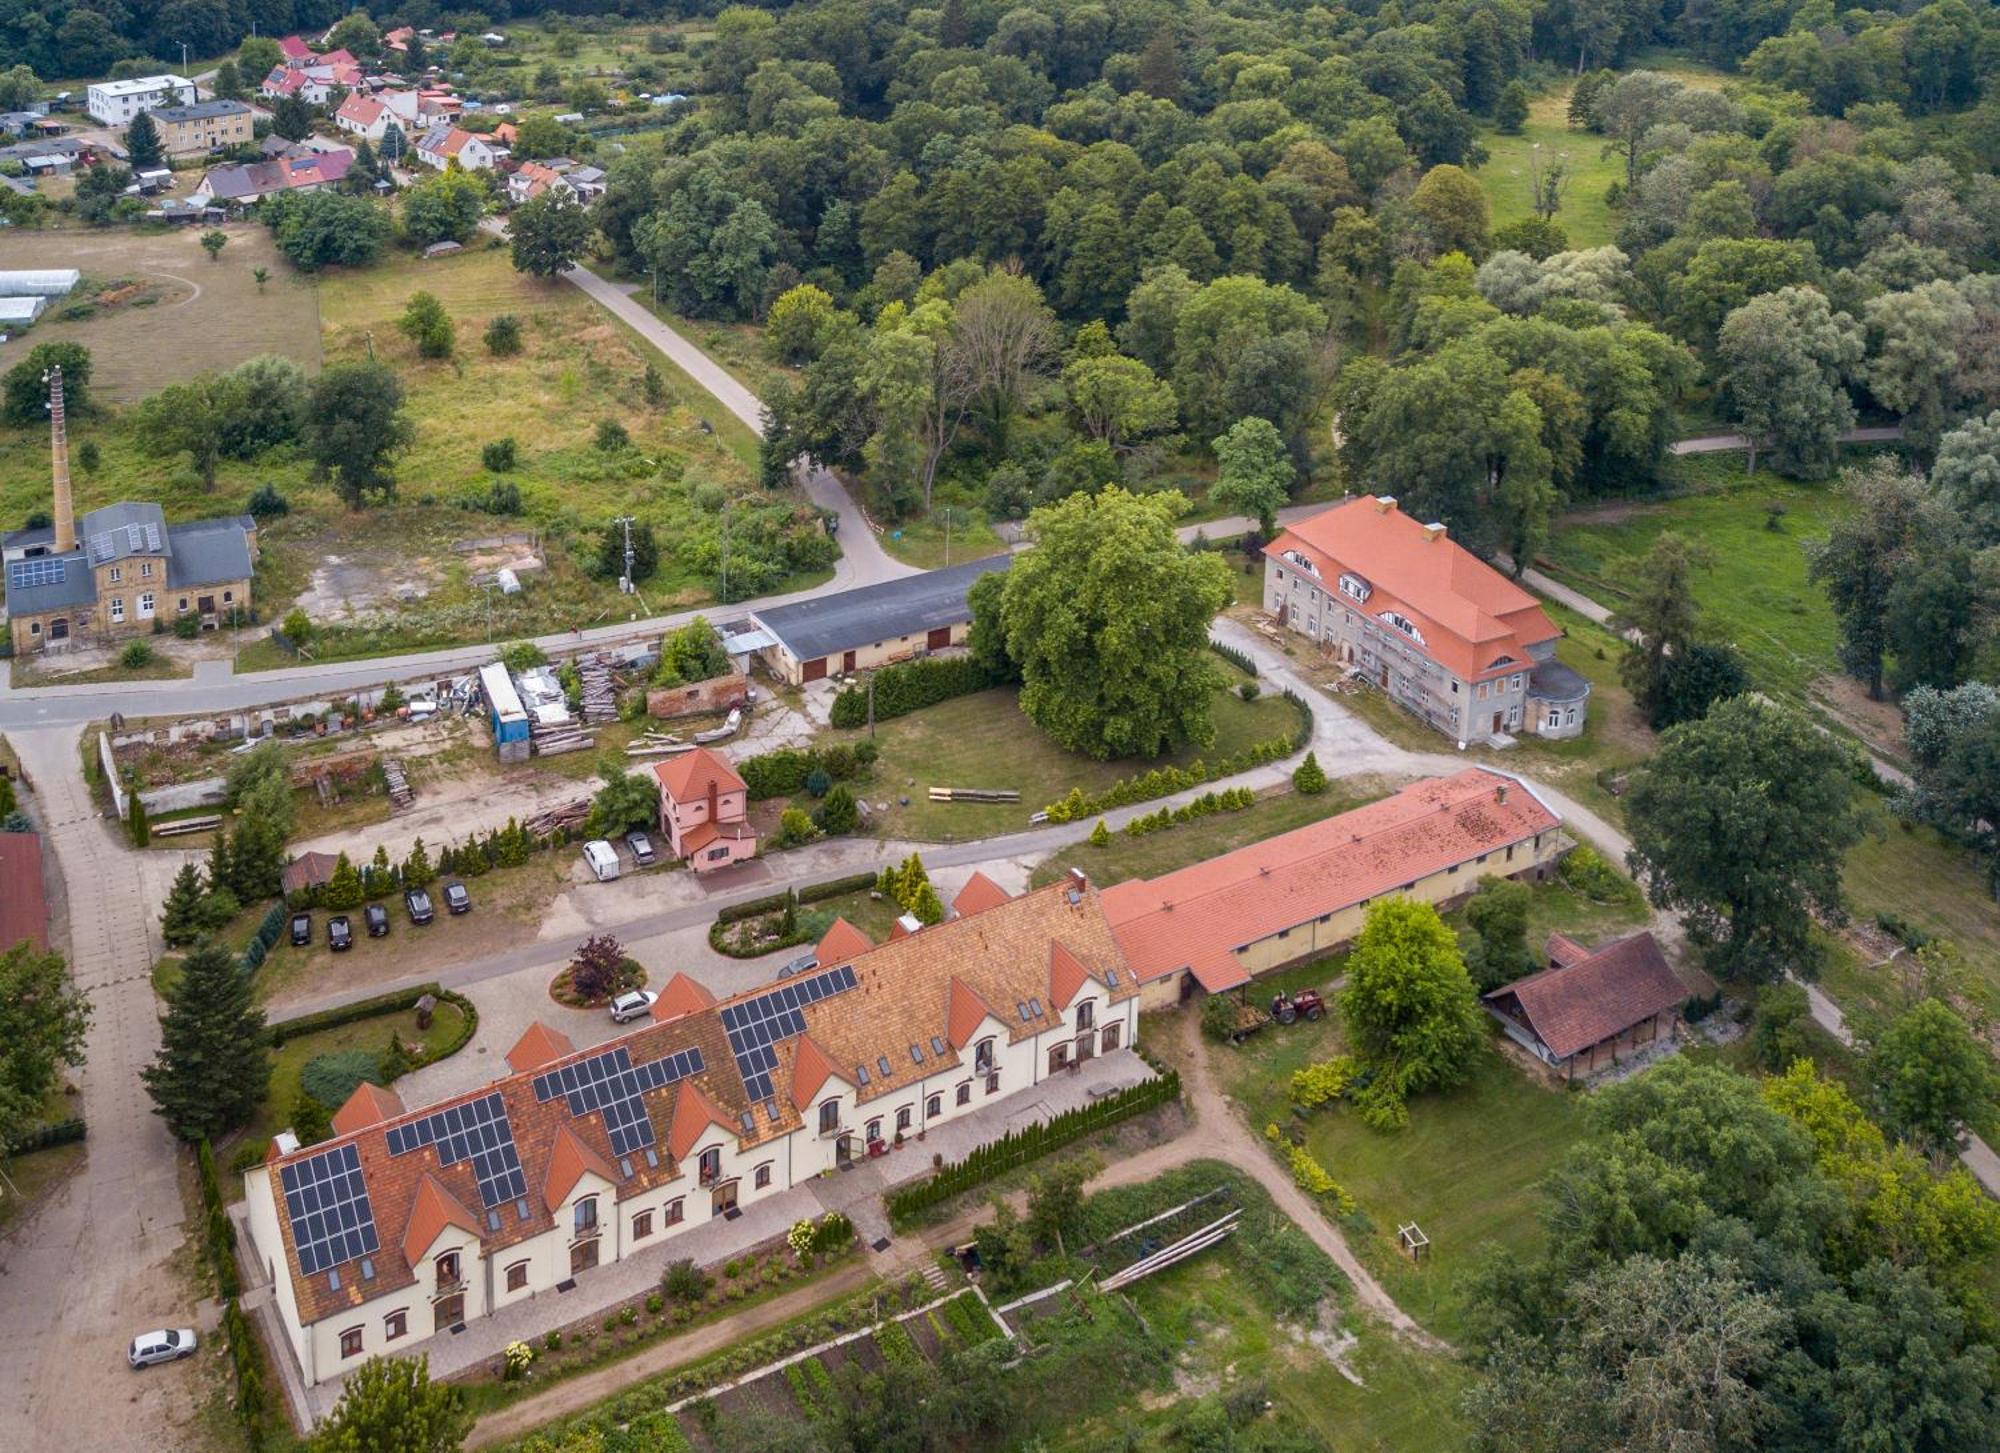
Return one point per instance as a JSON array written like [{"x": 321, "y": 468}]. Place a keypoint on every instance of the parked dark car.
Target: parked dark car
[
  {"x": 302, "y": 929},
  {"x": 339, "y": 933},
  {"x": 419, "y": 904},
  {"x": 456, "y": 899},
  {"x": 377, "y": 919}
]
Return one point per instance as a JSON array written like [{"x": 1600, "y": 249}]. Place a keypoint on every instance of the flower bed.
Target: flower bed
[{"x": 631, "y": 975}]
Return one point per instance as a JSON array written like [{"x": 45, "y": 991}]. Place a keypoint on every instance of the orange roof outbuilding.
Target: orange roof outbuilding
[
  {"x": 1585, "y": 1001},
  {"x": 1369, "y": 555}
]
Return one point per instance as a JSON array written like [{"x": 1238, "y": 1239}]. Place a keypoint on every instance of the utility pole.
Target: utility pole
[{"x": 625, "y": 580}]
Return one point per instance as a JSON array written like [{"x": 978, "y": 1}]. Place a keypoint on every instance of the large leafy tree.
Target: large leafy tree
[
  {"x": 1914, "y": 339},
  {"x": 625, "y": 801},
  {"x": 1253, "y": 472},
  {"x": 355, "y": 427},
  {"x": 1410, "y": 1010},
  {"x": 1932, "y": 1076},
  {"x": 444, "y": 207},
  {"x": 1107, "y": 618},
  {"x": 1119, "y": 400},
  {"x": 390, "y": 1405},
  {"x": 1742, "y": 823},
  {"x": 1661, "y": 616},
  {"x": 549, "y": 233},
  {"x": 214, "y": 1062},
  {"x": 27, "y": 389},
  {"x": 1966, "y": 475},
  {"x": 43, "y": 1018},
  {"x": 325, "y": 229},
  {"x": 1788, "y": 357},
  {"x": 1894, "y": 522}
]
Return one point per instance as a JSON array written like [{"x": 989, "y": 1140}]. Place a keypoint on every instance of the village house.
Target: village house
[
  {"x": 1586, "y": 1008},
  {"x": 411, "y": 1222},
  {"x": 293, "y": 171},
  {"x": 530, "y": 179},
  {"x": 858, "y": 630},
  {"x": 1439, "y": 631},
  {"x": 203, "y": 127},
  {"x": 369, "y": 117},
  {"x": 705, "y": 810},
  {"x": 121, "y": 567},
  {"x": 115, "y": 103},
  {"x": 1213, "y": 925},
  {"x": 442, "y": 145}
]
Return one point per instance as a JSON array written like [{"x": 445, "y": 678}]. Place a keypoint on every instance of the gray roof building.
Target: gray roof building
[
  {"x": 200, "y": 552},
  {"x": 119, "y": 530},
  {"x": 49, "y": 582},
  {"x": 199, "y": 111},
  {"x": 852, "y": 619},
  {"x": 208, "y": 552}
]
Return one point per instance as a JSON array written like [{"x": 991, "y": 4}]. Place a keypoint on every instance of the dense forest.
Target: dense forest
[{"x": 1019, "y": 251}]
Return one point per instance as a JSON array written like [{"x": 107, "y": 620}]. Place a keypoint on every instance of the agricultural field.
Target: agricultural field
[{"x": 153, "y": 307}]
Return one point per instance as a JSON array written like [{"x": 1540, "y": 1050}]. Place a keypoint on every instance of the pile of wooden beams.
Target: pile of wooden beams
[
  {"x": 552, "y": 739},
  {"x": 400, "y": 792},
  {"x": 600, "y": 689},
  {"x": 974, "y": 794},
  {"x": 565, "y": 816},
  {"x": 655, "y": 743}
]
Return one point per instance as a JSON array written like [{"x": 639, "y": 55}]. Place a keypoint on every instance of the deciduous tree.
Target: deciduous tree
[
  {"x": 550, "y": 233},
  {"x": 1932, "y": 1077},
  {"x": 1787, "y": 358},
  {"x": 1253, "y": 473},
  {"x": 43, "y": 1017},
  {"x": 1410, "y": 1011},
  {"x": 355, "y": 427},
  {"x": 390, "y": 1405}
]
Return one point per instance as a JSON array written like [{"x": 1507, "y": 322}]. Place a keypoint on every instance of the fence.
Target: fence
[{"x": 109, "y": 766}]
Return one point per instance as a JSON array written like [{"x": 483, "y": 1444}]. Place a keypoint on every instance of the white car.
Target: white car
[
  {"x": 166, "y": 1345},
  {"x": 635, "y": 1005}
]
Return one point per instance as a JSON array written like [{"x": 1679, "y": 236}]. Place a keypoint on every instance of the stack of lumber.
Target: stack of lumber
[
  {"x": 552, "y": 739},
  {"x": 728, "y": 729},
  {"x": 651, "y": 743},
  {"x": 974, "y": 794},
  {"x": 400, "y": 792},
  {"x": 564, "y": 816},
  {"x": 600, "y": 690}
]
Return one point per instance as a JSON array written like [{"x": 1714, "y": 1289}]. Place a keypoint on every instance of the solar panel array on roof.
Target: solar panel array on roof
[
  {"x": 327, "y": 1203},
  {"x": 756, "y": 1026},
  {"x": 36, "y": 572},
  {"x": 102, "y": 547},
  {"x": 612, "y": 1083},
  {"x": 479, "y": 1132}
]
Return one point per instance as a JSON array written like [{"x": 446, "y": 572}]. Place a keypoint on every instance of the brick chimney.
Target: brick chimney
[
  {"x": 1384, "y": 503},
  {"x": 1500, "y": 794},
  {"x": 65, "y": 512},
  {"x": 1433, "y": 531}
]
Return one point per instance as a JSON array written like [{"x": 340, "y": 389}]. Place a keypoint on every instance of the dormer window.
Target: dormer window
[
  {"x": 711, "y": 1166},
  {"x": 1355, "y": 588},
  {"x": 586, "y": 1216},
  {"x": 1086, "y": 1014},
  {"x": 982, "y": 1056}
]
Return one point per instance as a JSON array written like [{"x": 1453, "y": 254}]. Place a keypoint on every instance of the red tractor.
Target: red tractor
[{"x": 1290, "y": 1008}]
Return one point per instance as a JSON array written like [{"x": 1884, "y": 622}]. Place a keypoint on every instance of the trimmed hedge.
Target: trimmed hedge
[
  {"x": 834, "y": 887},
  {"x": 909, "y": 686},
  {"x": 388, "y": 1003},
  {"x": 769, "y": 903},
  {"x": 1017, "y": 1147},
  {"x": 220, "y": 1238},
  {"x": 41, "y": 1137},
  {"x": 261, "y": 942},
  {"x": 1165, "y": 781},
  {"x": 783, "y": 772}
]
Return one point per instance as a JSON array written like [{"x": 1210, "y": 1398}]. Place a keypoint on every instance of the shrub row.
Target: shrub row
[
  {"x": 1164, "y": 781},
  {"x": 220, "y": 1241},
  {"x": 261, "y": 942},
  {"x": 752, "y": 908},
  {"x": 775, "y": 902},
  {"x": 41, "y": 1137},
  {"x": 909, "y": 686},
  {"x": 1230, "y": 799},
  {"x": 395, "y": 1000},
  {"x": 1017, "y": 1147},
  {"x": 783, "y": 772},
  {"x": 1239, "y": 659},
  {"x": 834, "y": 887}
]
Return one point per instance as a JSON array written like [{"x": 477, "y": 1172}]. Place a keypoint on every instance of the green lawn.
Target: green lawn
[
  {"x": 1465, "y": 1169},
  {"x": 1208, "y": 837},
  {"x": 1585, "y": 216},
  {"x": 984, "y": 741},
  {"x": 1757, "y": 595}
]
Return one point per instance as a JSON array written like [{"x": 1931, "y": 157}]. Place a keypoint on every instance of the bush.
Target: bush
[
  {"x": 331, "y": 1078},
  {"x": 40, "y": 1137},
  {"x": 611, "y": 436},
  {"x": 783, "y": 772},
  {"x": 187, "y": 627},
  {"x": 1584, "y": 869},
  {"x": 839, "y": 813},
  {"x": 1310, "y": 778},
  {"x": 503, "y": 335},
  {"x": 499, "y": 455},
  {"x": 1249, "y": 690},
  {"x": 909, "y": 686},
  {"x": 684, "y": 1282},
  {"x": 266, "y": 503},
  {"x": 135, "y": 655}
]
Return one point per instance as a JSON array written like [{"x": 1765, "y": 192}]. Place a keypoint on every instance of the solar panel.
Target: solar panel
[
  {"x": 477, "y": 1131},
  {"x": 756, "y": 1025},
  {"x": 36, "y": 572},
  {"x": 612, "y": 1083},
  {"x": 327, "y": 1203},
  {"x": 102, "y": 547}
]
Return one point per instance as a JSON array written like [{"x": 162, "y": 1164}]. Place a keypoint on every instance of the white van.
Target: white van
[{"x": 603, "y": 859}]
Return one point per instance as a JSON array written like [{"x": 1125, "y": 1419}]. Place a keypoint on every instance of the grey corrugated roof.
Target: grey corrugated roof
[
  {"x": 830, "y": 624},
  {"x": 199, "y": 110},
  {"x": 78, "y": 586},
  {"x": 209, "y": 552},
  {"x": 127, "y": 528},
  {"x": 1553, "y": 681},
  {"x": 26, "y": 536}
]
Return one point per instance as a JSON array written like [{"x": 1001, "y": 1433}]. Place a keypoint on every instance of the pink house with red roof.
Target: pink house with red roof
[
  {"x": 705, "y": 810},
  {"x": 1425, "y": 621}
]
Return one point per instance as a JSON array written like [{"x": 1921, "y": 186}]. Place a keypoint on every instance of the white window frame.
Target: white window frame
[
  {"x": 117, "y": 604},
  {"x": 146, "y": 605}
]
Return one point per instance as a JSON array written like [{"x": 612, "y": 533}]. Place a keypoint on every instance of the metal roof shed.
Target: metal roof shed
[
  {"x": 38, "y": 282},
  {"x": 851, "y": 620}
]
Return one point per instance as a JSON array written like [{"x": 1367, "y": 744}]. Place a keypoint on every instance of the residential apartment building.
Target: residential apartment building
[
  {"x": 203, "y": 127},
  {"x": 1442, "y": 633},
  {"x": 115, "y": 103},
  {"x": 412, "y": 1222},
  {"x": 1214, "y": 925}
]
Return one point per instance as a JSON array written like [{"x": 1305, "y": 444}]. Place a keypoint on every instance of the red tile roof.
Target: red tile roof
[
  {"x": 293, "y": 48},
  {"x": 537, "y": 1046},
  {"x": 432, "y": 1209},
  {"x": 1197, "y": 916},
  {"x": 361, "y": 110},
  {"x": 1570, "y": 1008},
  {"x": 1067, "y": 977},
  {"x": 688, "y": 777},
  {"x": 703, "y": 833},
  {"x": 24, "y": 915},
  {"x": 811, "y": 1069},
  {"x": 979, "y": 893},
  {"x": 965, "y": 1011},
  {"x": 569, "y": 1158},
  {"x": 368, "y": 1105},
  {"x": 1469, "y": 617},
  {"x": 694, "y": 1112},
  {"x": 843, "y": 941},
  {"x": 682, "y": 995}
]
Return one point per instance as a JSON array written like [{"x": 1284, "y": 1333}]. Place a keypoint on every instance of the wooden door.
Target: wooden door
[
  {"x": 938, "y": 639},
  {"x": 815, "y": 669},
  {"x": 847, "y": 661}
]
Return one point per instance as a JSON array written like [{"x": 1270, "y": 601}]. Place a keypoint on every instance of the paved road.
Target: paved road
[
  {"x": 1723, "y": 443},
  {"x": 91, "y": 1268}
]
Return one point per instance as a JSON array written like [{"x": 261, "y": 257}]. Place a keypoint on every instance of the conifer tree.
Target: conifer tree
[
  {"x": 417, "y": 869},
  {"x": 343, "y": 889},
  {"x": 141, "y": 827},
  {"x": 214, "y": 1063},
  {"x": 1310, "y": 778},
  {"x": 181, "y": 917}
]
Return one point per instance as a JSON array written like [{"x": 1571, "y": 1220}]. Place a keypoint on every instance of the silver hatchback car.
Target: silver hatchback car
[{"x": 166, "y": 1345}]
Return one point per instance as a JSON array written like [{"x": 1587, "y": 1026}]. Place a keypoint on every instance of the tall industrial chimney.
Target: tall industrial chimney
[{"x": 65, "y": 515}]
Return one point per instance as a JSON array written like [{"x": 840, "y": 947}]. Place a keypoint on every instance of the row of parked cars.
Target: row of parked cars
[
  {"x": 416, "y": 902},
  {"x": 602, "y": 858}
]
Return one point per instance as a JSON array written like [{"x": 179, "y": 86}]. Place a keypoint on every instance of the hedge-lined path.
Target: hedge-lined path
[{"x": 89, "y": 1268}]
